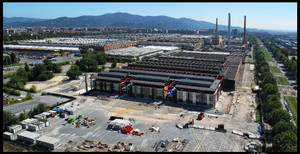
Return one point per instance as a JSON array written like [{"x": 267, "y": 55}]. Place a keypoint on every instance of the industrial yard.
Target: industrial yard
[{"x": 233, "y": 111}]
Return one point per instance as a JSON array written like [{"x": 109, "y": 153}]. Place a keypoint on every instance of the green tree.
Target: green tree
[
  {"x": 100, "y": 57},
  {"x": 45, "y": 75},
  {"x": 26, "y": 67},
  {"x": 88, "y": 64},
  {"x": 283, "y": 126},
  {"x": 13, "y": 58},
  {"x": 33, "y": 89},
  {"x": 22, "y": 74},
  {"x": 37, "y": 70},
  {"x": 271, "y": 98},
  {"x": 278, "y": 115},
  {"x": 273, "y": 105},
  {"x": 23, "y": 116},
  {"x": 28, "y": 95},
  {"x": 49, "y": 64},
  {"x": 9, "y": 119},
  {"x": 114, "y": 64},
  {"x": 84, "y": 49},
  {"x": 56, "y": 68},
  {"x": 285, "y": 142},
  {"x": 270, "y": 89},
  {"x": 74, "y": 72}
]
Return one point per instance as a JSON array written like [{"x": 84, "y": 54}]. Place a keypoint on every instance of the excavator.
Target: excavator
[{"x": 125, "y": 89}]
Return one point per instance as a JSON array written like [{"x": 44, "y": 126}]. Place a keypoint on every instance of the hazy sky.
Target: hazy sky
[{"x": 281, "y": 16}]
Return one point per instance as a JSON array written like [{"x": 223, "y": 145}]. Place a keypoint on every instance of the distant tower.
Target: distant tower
[
  {"x": 244, "y": 39},
  {"x": 228, "y": 46},
  {"x": 216, "y": 27}
]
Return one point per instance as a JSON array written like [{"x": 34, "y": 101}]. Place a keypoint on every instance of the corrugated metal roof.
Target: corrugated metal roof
[{"x": 47, "y": 139}]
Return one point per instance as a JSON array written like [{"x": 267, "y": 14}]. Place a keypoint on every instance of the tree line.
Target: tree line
[
  {"x": 282, "y": 55},
  {"x": 90, "y": 62},
  {"x": 40, "y": 72},
  {"x": 284, "y": 133},
  {"x": 10, "y": 59}
]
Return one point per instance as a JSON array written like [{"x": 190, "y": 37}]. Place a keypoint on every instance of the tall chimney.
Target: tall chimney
[
  {"x": 244, "y": 39},
  {"x": 216, "y": 26},
  {"x": 228, "y": 46}
]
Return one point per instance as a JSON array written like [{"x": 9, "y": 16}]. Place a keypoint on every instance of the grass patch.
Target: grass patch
[
  {"x": 274, "y": 69},
  {"x": 294, "y": 103},
  {"x": 8, "y": 75},
  {"x": 257, "y": 115},
  {"x": 14, "y": 64},
  {"x": 283, "y": 81},
  {"x": 267, "y": 56}
]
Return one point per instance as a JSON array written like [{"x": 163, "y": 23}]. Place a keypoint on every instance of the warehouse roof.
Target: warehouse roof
[
  {"x": 47, "y": 139},
  {"x": 30, "y": 135},
  {"x": 132, "y": 51},
  {"x": 163, "y": 74},
  {"x": 159, "y": 79}
]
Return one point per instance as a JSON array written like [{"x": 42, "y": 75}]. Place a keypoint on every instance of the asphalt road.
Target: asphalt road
[{"x": 28, "y": 105}]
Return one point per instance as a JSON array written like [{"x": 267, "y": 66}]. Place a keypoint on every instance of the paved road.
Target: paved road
[{"x": 28, "y": 105}]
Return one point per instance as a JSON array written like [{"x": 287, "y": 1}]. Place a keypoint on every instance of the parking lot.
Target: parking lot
[{"x": 28, "y": 105}]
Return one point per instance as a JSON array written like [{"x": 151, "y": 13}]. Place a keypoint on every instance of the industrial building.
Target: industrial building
[
  {"x": 132, "y": 53},
  {"x": 33, "y": 47},
  {"x": 9, "y": 136},
  {"x": 48, "y": 142},
  {"x": 198, "y": 78},
  {"x": 28, "y": 137}
]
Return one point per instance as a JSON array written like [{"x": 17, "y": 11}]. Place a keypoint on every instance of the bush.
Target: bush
[
  {"x": 33, "y": 89},
  {"x": 74, "y": 72}
]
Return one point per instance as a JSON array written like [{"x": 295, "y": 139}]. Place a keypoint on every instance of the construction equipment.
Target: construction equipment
[
  {"x": 70, "y": 119},
  {"x": 200, "y": 116},
  {"x": 79, "y": 116},
  {"x": 191, "y": 122}
]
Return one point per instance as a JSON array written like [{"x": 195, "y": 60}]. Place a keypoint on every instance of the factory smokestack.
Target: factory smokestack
[
  {"x": 228, "y": 46},
  {"x": 244, "y": 39},
  {"x": 216, "y": 26}
]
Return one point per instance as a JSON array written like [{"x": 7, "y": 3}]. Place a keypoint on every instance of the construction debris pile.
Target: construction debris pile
[
  {"x": 95, "y": 146},
  {"x": 175, "y": 145},
  {"x": 85, "y": 122}
]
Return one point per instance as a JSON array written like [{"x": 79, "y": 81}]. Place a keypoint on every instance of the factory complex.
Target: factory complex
[
  {"x": 196, "y": 78},
  {"x": 170, "y": 93}
]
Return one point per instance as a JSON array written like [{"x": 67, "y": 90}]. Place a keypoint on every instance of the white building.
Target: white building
[
  {"x": 29, "y": 137},
  {"x": 48, "y": 142}
]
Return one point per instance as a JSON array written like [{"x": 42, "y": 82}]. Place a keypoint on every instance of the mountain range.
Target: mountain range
[{"x": 115, "y": 20}]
